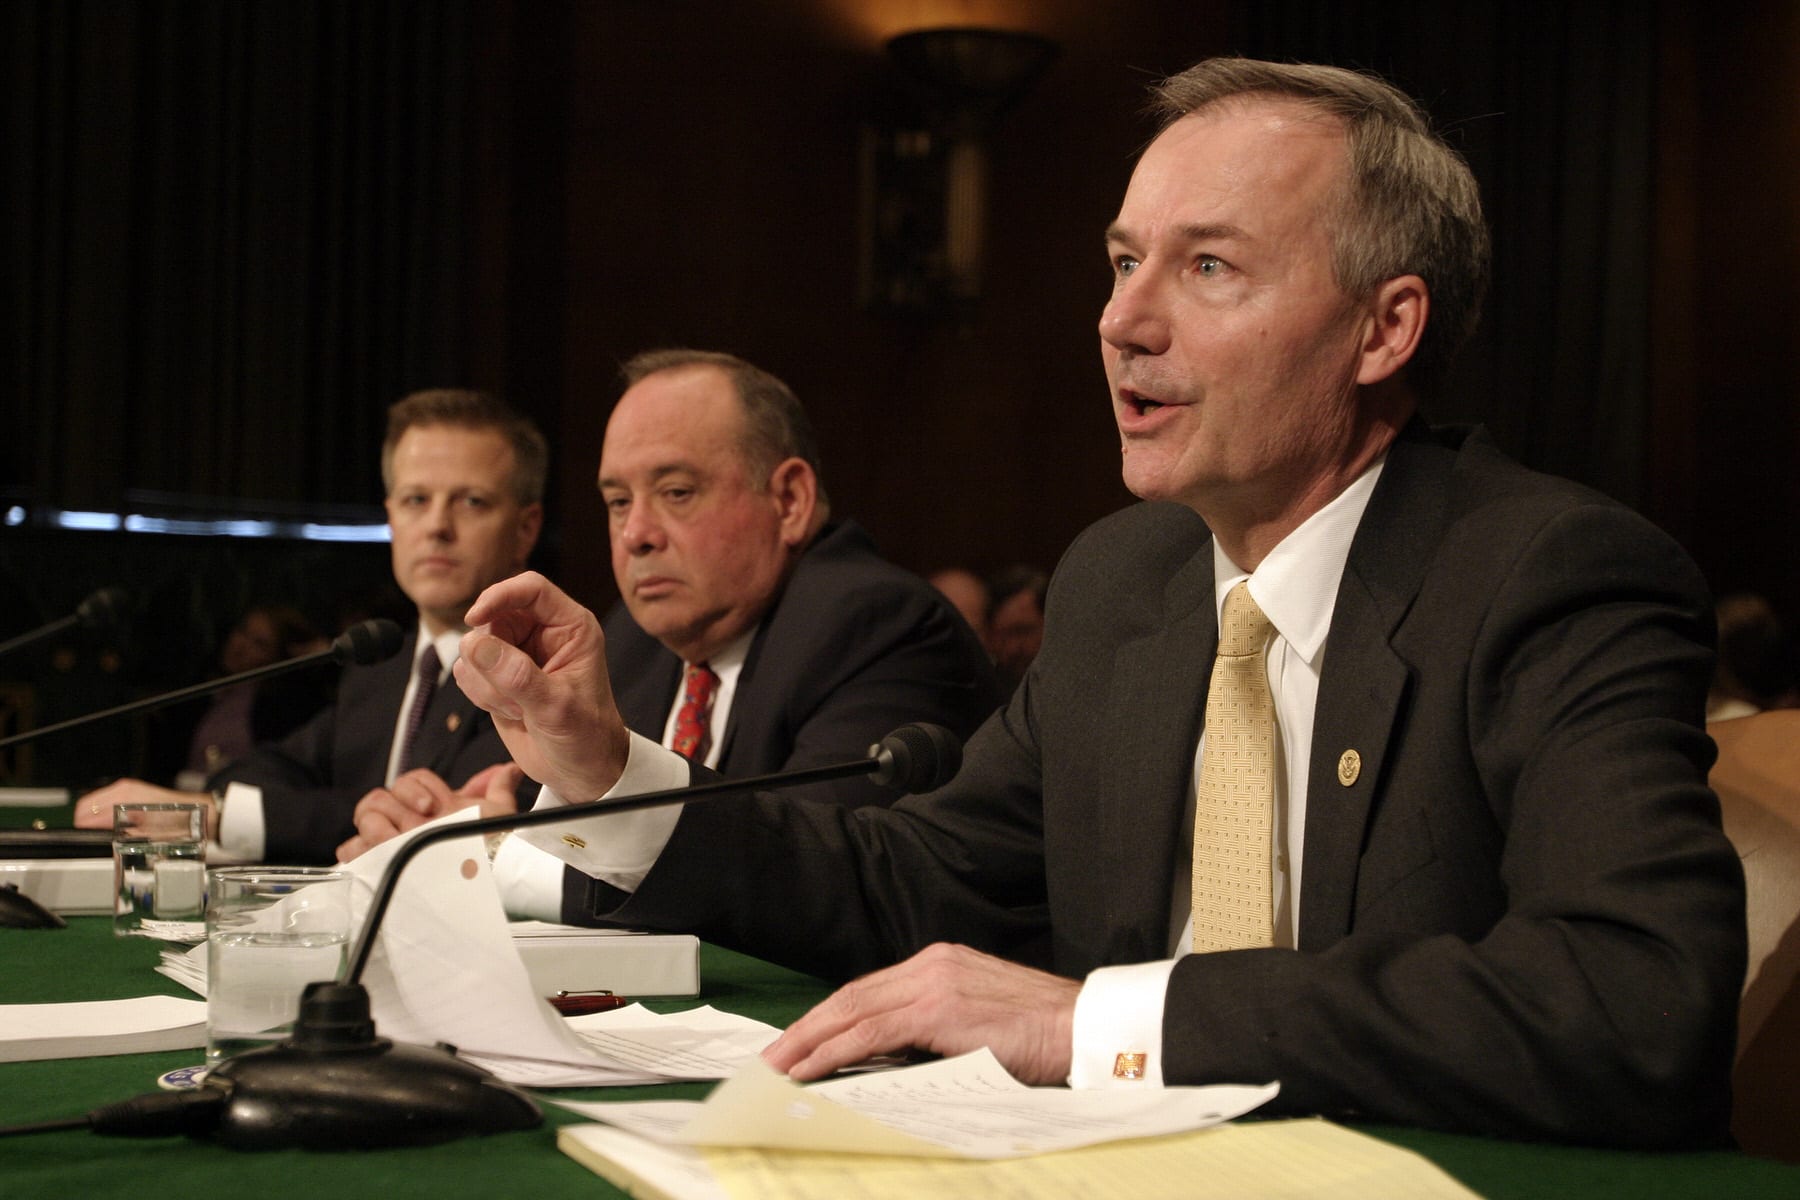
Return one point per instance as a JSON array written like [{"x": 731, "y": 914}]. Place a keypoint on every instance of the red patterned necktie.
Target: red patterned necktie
[{"x": 693, "y": 720}]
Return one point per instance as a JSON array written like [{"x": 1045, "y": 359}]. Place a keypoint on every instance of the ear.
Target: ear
[
  {"x": 1396, "y": 317},
  {"x": 794, "y": 490},
  {"x": 531, "y": 523}
]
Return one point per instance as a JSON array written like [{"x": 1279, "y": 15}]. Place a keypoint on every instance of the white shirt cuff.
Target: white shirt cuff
[
  {"x": 620, "y": 848},
  {"x": 1118, "y": 1026},
  {"x": 529, "y": 880},
  {"x": 242, "y": 834}
]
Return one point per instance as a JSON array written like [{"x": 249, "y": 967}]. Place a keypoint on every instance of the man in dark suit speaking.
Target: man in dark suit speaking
[
  {"x": 1359, "y": 758},
  {"x": 756, "y": 632},
  {"x": 465, "y": 481}
]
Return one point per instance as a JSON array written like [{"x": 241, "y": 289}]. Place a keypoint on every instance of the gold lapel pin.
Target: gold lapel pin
[
  {"x": 570, "y": 839},
  {"x": 453, "y": 722},
  {"x": 1349, "y": 767}
]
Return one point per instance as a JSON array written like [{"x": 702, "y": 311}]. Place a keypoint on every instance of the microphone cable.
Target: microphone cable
[{"x": 153, "y": 1114}]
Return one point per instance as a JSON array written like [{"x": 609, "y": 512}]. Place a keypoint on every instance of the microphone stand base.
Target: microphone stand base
[{"x": 334, "y": 1085}]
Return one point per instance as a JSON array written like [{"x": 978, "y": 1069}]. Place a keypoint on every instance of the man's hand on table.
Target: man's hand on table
[{"x": 948, "y": 1000}]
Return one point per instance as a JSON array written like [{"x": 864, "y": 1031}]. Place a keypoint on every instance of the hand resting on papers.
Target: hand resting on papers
[{"x": 946, "y": 999}]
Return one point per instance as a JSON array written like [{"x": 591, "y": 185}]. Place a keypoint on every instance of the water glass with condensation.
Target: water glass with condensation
[
  {"x": 159, "y": 871},
  {"x": 270, "y": 931}
]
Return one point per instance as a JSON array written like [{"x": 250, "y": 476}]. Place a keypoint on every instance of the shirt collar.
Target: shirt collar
[
  {"x": 728, "y": 662},
  {"x": 1297, "y": 584},
  {"x": 449, "y": 647}
]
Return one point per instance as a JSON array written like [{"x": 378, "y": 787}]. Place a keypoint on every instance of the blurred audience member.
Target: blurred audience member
[
  {"x": 1015, "y": 619},
  {"x": 1756, "y": 667},
  {"x": 244, "y": 714},
  {"x": 967, "y": 594}
]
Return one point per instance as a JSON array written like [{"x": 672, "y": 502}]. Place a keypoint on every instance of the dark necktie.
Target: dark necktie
[
  {"x": 428, "y": 669},
  {"x": 693, "y": 721}
]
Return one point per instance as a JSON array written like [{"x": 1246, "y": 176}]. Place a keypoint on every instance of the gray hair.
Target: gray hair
[{"x": 1412, "y": 205}]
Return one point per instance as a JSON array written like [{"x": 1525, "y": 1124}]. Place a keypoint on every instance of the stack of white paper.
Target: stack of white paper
[{"x": 90, "y": 1028}]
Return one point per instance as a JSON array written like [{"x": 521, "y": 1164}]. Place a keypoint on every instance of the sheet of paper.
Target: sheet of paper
[
  {"x": 641, "y": 1046},
  {"x": 545, "y": 929},
  {"x": 1264, "y": 1160},
  {"x": 445, "y": 968},
  {"x": 966, "y": 1107},
  {"x": 1270, "y": 1160}
]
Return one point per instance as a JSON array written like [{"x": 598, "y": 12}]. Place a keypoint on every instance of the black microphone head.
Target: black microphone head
[
  {"x": 103, "y": 609},
  {"x": 916, "y": 758},
  {"x": 368, "y": 642}
]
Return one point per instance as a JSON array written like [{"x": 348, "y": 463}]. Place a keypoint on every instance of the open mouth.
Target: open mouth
[{"x": 1139, "y": 404}]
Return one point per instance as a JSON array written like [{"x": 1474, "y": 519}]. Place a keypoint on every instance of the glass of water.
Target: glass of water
[
  {"x": 270, "y": 931},
  {"x": 159, "y": 871}
]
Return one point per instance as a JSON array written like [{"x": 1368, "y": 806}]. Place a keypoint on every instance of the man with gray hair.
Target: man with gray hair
[{"x": 1358, "y": 758}]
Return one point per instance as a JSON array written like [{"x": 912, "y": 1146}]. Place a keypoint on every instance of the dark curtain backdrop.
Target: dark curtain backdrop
[
  {"x": 1553, "y": 104},
  {"x": 231, "y": 239}
]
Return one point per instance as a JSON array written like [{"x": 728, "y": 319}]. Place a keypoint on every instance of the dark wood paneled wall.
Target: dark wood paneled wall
[{"x": 711, "y": 194}]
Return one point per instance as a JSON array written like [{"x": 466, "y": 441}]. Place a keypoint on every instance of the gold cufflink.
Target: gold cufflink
[
  {"x": 1349, "y": 767},
  {"x": 1129, "y": 1065},
  {"x": 570, "y": 839},
  {"x": 453, "y": 722}
]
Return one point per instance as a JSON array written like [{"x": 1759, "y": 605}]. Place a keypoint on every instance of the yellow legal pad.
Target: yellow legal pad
[{"x": 1274, "y": 1159}]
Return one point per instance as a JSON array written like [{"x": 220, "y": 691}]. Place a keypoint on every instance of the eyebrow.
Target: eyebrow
[
  {"x": 1188, "y": 233},
  {"x": 657, "y": 473}
]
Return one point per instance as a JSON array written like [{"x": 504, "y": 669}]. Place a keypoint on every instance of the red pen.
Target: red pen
[{"x": 577, "y": 1004}]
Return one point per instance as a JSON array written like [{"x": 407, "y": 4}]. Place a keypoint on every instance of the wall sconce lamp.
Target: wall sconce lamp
[{"x": 924, "y": 166}]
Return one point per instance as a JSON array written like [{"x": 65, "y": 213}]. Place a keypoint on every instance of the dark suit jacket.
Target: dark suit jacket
[
  {"x": 1521, "y": 917},
  {"x": 312, "y": 778},
  {"x": 853, "y": 647}
]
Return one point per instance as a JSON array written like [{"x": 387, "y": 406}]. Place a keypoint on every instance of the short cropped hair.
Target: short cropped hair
[
  {"x": 1412, "y": 205},
  {"x": 472, "y": 410},
  {"x": 776, "y": 427}
]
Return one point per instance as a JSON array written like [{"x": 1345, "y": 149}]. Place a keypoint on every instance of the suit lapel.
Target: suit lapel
[
  {"x": 1363, "y": 683},
  {"x": 1157, "y": 696},
  {"x": 368, "y": 699},
  {"x": 645, "y": 697}
]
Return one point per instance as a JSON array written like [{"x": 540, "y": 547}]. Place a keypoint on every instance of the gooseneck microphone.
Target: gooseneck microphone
[
  {"x": 334, "y": 1084},
  {"x": 101, "y": 610},
  {"x": 913, "y": 758},
  {"x": 364, "y": 643}
]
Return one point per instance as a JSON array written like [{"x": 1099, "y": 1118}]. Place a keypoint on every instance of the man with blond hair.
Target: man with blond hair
[{"x": 465, "y": 484}]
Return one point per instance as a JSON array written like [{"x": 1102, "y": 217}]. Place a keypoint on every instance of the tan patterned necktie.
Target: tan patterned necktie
[{"x": 1235, "y": 797}]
